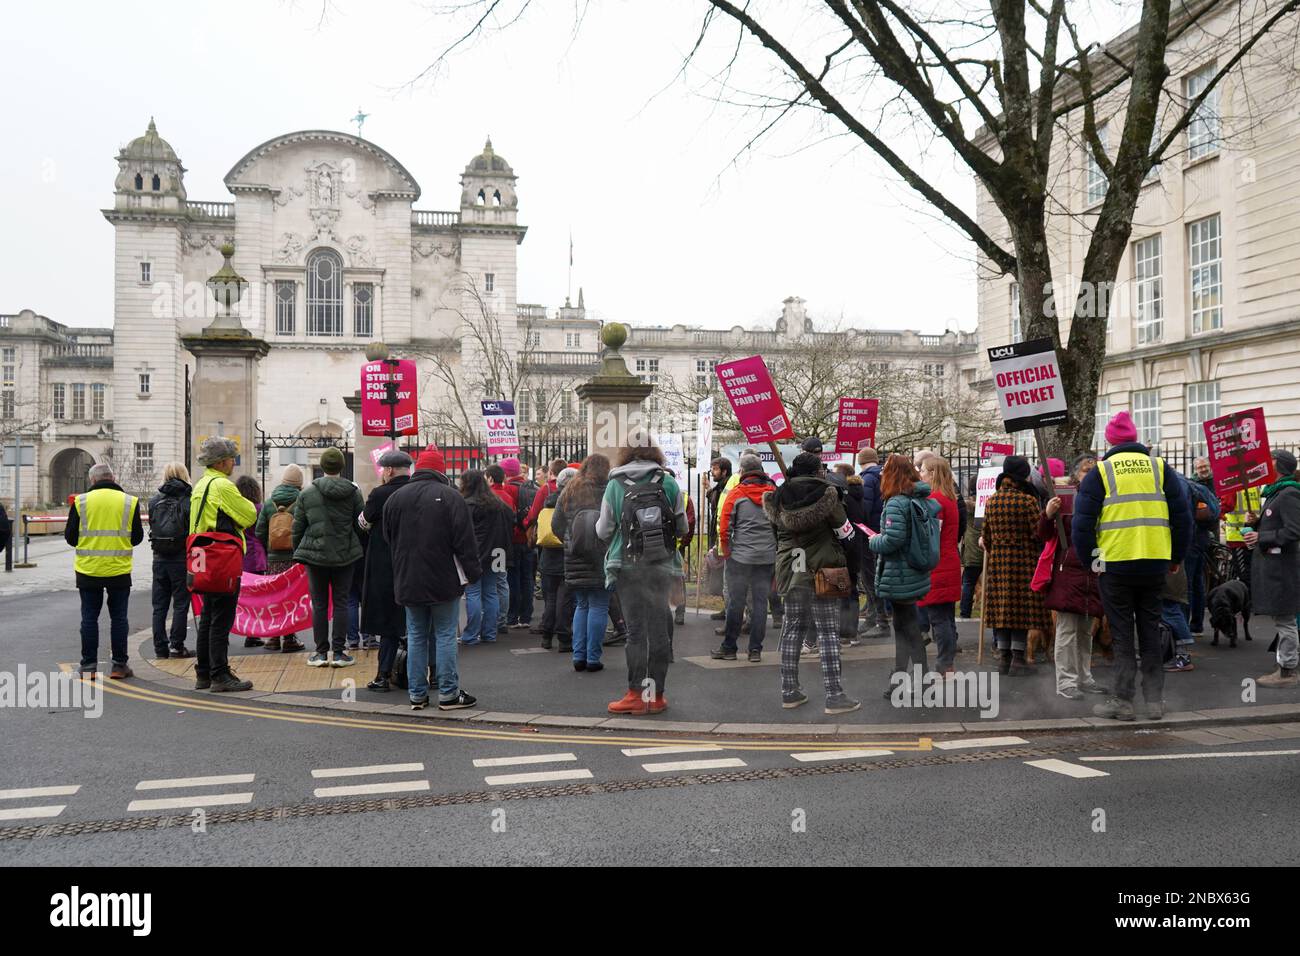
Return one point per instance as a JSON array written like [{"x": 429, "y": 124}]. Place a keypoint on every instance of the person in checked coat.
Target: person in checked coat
[{"x": 1011, "y": 543}]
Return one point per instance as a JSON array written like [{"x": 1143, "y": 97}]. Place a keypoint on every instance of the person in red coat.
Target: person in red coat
[
  {"x": 1074, "y": 596},
  {"x": 940, "y": 602}
]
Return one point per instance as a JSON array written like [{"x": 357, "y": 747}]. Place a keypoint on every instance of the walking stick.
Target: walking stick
[{"x": 979, "y": 655}]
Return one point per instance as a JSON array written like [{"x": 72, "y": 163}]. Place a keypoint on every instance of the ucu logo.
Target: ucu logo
[{"x": 1002, "y": 352}]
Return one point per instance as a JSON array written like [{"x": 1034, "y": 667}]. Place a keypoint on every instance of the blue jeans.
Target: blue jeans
[
  {"x": 1194, "y": 564},
  {"x": 432, "y": 627},
  {"x": 92, "y": 601},
  {"x": 1171, "y": 612},
  {"x": 590, "y": 615},
  {"x": 945, "y": 634},
  {"x": 522, "y": 580},
  {"x": 503, "y": 597},
  {"x": 482, "y": 608}
]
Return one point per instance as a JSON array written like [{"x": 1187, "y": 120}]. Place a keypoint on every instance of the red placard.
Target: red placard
[
  {"x": 856, "y": 428},
  {"x": 1238, "y": 451},
  {"x": 991, "y": 449},
  {"x": 375, "y": 415},
  {"x": 748, "y": 387}
]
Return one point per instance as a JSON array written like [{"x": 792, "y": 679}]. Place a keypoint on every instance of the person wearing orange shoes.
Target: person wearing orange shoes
[{"x": 642, "y": 516}]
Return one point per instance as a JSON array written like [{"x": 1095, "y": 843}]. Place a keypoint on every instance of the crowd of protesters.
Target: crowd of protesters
[{"x": 836, "y": 557}]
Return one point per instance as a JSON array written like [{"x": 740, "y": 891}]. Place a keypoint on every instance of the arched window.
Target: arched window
[
  {"x": 324, "y": 293},
  {"x": 481, "y": 199},
  {"x": 139, "y": 181},
  {"x": 157, "y": 183},
  {"x": 496, "y": 197}
]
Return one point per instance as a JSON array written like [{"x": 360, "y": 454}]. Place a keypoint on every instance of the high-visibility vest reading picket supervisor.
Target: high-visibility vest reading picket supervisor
[
  {"x": 1134, "y": 520},
  {"x": 104, "y": 532}
]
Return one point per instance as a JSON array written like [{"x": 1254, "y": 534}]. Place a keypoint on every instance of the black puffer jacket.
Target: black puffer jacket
[
  {"x": 428, "y": 528},
  {"x": 172, "y": 488},
  {"x": 380, "y": 612},
  {"x": 580, "y": 571},
  {"x": 494, "y": 525}
]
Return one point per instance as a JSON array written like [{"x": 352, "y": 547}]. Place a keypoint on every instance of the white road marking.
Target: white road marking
[
  {"x": 364, "y": 771},
  {"x": 198, "y": 800},
  {"x": 1238, "y": 753},
  {"x": 359, "y": 789},
  {"x": 530, "y": 758},
  {"x": 541, "y": 777},
  {"x": 194, "y": 781},
  {"x": 978, "y": 742},
  {"x": 39, "y": 792},
  {"x": 31, "y": 813},
  {"x": 693, "y": 765},
  {"x": 815, "y": 755},
  {"x": 656, "y": 751},
  {"x": 529, "y": 650},
  {"x": 1068, "y": 769}
]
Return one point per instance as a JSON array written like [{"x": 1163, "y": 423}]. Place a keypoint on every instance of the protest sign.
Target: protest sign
[
  {"x": 986, "y": 483},
  {"x": 378, "y": 453},
  {"x": 270, "y": 605},
  {"x": 1238, "y": 451},
  {"x": 704, "y": 434},
  {"x": 992, "y": 449},
  {"x": 378, "y": 415},
  {"x": 856, "y": 427},
  {"x": 499, "y": 423},
  {"x": 749, "y": 389},
  {"x": 1027, "y": 380},
  {"x": 671, "y": 445}
]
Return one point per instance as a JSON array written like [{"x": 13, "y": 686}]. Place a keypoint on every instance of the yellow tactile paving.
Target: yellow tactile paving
[{"x": 283, "y": 673}]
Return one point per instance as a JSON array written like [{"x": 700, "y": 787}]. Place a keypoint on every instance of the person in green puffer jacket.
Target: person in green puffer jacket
[
  {"x": 896, "y": 580},
  {"x": 326, "y": 539},
  {"x": 809, "y": 522},
  {"x": 284, "y": 496}
]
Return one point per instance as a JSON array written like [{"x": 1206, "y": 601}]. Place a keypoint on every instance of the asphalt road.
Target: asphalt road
[{"x": 983, "y": 805}]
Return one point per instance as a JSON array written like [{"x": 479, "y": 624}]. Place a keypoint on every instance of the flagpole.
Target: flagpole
[{"x": 568, "y": 292}]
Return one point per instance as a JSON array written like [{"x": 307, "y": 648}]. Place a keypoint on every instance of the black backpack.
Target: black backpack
[
  {"x": 524, "y": 503},
  {"x": 581, "y": 540},
  {"x": 648, "y": 524},
  {"x": 169, "y": 525}
]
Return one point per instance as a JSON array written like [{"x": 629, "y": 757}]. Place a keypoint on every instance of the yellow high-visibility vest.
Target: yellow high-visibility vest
[
  {"x": 1134, "y": 520},
  {"x": 1234, "y": 521},
  {"x": 104, "y": 532}
]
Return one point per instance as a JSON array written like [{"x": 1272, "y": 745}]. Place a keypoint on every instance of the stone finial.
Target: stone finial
[{"x": 613, "y": 335}]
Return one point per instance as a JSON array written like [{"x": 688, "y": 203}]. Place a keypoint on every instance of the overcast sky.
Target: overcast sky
[{"x": 606, "y": 141}]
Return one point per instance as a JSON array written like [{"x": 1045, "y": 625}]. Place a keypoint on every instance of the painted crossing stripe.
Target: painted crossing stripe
[
  {"x": 360, "y": 789},
  {"x": 198, "y": 800},
  {"x": 32, "y": 813},
  {"x": 530, "y": 758},
  {"x": 542, "y": 777},
  {"x": 978, "y": 742},
  {"x": 672, "y": 765},
  {"x": 1068, "y": 769},
  {"x": 178, "y": 782},
  {"x": 365, "y": 771},
  {"x": 815, "y": 755},
  {"x": 39, "y": 792},
  {"x": 1226, "y": 753},
  {"x": 656, "y": 751}
]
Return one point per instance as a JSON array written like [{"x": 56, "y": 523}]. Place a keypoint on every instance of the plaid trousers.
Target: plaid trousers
[{"x": 802, "y": 609}]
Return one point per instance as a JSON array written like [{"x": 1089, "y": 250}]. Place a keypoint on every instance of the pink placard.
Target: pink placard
[
  {"x": 748, "y": 387},
  {"x": 991, "y": 449},
  {"x": 376, "y": 419},
  {"x": 1238, "y": 450},
  {"x": 856, "y": 428},
  {"x": 380, "y": 452}
]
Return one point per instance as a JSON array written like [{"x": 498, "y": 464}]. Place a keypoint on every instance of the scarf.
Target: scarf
[{"x": 1287, "y": 481}]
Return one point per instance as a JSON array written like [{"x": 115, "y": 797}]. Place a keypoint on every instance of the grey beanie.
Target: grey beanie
[
  {"x": 750, "y": 464},
  {"x": 565, "y": 476},
  {"x": 216, "y": 448}
]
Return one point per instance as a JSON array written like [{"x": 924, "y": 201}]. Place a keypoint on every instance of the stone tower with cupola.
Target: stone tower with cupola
[{"x": 149, "y": 217}]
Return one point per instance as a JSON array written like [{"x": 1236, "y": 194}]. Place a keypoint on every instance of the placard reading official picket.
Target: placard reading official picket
[
  {"x": 499, "y": 422},
  {"x": 748, "y": 386},
  {"x": 1028, "y": 383}
]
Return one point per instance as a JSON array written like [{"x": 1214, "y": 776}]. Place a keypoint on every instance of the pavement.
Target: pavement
[
  {"x": 517, "y": 682},
  {"x": 169, "y": 776}
]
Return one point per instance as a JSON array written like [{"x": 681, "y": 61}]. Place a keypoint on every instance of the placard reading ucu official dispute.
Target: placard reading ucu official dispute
[{"x": 1028, "y": 382}]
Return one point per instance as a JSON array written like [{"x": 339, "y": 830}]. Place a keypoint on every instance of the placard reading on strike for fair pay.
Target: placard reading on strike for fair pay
[{"x": 1028, "y": 382}]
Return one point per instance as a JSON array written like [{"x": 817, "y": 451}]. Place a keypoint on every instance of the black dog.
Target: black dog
[{"x": 1226, "y": 602}]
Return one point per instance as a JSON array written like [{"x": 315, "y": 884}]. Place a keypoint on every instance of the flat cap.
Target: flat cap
[{"x": 395, "y": 459}]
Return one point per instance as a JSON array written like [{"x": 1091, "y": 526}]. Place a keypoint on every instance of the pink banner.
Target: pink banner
[
  {"x": 748, "y": 386},
  {"x": 990, "y": 449},
  {"x": 270, "y": 605}
]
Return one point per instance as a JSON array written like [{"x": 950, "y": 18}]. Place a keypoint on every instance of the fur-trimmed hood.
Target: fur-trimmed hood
[{"x": 801, "y": 503}]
